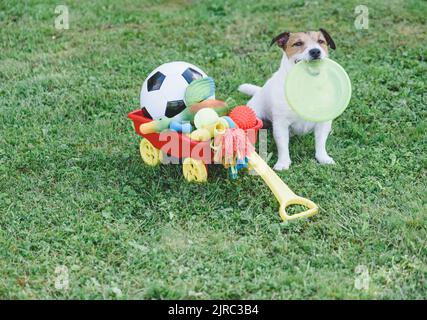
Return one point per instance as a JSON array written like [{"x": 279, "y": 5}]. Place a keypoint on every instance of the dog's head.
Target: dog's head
[{"x": 309, "y": 45}]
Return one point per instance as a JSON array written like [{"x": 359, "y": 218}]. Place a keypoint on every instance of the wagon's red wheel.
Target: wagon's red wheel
[
  {"x": 194, "y": 170},
  {"x": 150, "y": 154}
]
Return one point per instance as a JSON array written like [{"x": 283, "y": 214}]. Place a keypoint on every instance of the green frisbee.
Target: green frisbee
[{"x": 318, "y": 90}]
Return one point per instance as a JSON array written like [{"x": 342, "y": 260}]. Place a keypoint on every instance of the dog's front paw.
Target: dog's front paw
[
  {"x": 325, "y": 159},
  {"x": 282, "y": 165}
]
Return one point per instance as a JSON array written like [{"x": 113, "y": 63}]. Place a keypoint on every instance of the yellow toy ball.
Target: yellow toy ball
[{"x": 205, "y": 117}]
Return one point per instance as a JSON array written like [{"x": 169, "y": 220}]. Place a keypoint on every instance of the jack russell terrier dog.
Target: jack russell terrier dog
[{"x": 269, "y": 102}]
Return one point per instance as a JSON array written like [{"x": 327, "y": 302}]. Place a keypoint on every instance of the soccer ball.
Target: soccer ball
[{"x": 162, "y": 93}]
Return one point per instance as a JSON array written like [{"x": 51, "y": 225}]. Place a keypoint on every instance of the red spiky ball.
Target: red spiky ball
[{"x": 243, "y": 116}]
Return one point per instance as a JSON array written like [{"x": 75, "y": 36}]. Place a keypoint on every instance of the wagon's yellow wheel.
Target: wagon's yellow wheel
[
  {"x": 194, "y": 170},
  {"x": 149, "y": 153}
]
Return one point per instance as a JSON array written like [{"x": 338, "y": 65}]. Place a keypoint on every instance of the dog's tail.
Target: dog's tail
[{"x": 249, "y": 89}]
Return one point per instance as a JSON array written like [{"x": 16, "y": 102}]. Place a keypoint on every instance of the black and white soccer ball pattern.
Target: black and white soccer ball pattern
[{"x": 162, "y": 93}]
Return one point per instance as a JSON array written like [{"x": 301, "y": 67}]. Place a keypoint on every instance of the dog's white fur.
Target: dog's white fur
[{"x": 270, "y": 104}]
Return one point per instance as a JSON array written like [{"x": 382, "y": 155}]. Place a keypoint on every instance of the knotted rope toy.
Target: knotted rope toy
[{"x": 232, "y": 148}]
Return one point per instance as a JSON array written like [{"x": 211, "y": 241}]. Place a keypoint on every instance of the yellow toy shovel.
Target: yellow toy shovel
[
  {"x": 281, "y": 191},
  {"x": 232, "y": 144}
]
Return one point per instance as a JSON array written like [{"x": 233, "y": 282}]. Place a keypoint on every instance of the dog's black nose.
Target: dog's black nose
[{"x": 314, "y": 53}]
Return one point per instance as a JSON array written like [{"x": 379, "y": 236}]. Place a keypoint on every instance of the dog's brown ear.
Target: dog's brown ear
[
  {"x": 281, "y": 39},
  {"x": 328, "y": 39}
]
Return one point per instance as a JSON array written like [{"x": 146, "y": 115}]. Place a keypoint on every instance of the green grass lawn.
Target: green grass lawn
[{"x": 75, "y": 193}]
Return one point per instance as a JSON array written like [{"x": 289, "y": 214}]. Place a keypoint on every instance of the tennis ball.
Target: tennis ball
[{"x": 205, "y": 117}]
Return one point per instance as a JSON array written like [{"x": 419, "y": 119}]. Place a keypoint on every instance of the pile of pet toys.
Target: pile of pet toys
[{"x": 206, "y": 119}]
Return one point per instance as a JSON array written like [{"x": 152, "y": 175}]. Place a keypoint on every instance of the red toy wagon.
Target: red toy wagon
[{"x": 197, "y": 155}]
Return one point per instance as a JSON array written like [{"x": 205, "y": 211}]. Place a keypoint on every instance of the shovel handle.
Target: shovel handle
[
  {"x": 310, "y": 205},
  {"x": 284, "y": 195}
]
